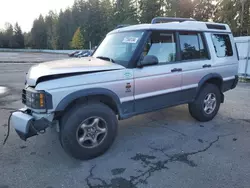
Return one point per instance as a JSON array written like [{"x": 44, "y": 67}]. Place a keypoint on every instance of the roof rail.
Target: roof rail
[
  {"x": 170, "y": 19},
  {"x": 121, "y": 26}
]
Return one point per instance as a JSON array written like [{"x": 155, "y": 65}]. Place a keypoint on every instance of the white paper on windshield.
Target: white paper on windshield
[{"x": 131, "y": 40}]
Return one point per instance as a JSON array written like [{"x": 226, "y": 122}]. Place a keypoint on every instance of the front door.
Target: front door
[{"x": 158, "y": 86}]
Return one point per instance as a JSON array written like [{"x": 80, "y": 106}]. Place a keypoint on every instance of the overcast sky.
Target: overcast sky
[{"x": 25, "y": 11}]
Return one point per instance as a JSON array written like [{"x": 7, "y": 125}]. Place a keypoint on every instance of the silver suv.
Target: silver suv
[{"x": 135, "y": 70}]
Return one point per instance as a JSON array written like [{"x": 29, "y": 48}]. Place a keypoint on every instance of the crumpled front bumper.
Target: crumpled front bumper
[{"x": 26, "y": 125}]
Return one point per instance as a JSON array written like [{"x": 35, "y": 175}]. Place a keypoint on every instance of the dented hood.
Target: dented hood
[{"x": 69, "y": 66}]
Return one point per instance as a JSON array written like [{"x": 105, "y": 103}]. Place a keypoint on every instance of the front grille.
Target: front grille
[{"x": 24, "y": 97}]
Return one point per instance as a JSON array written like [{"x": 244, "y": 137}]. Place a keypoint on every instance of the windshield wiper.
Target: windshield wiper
[{"x": 106, "y": 58}]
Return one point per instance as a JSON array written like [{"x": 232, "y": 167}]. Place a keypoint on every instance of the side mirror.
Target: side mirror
[{"x": 149, "y": 60}]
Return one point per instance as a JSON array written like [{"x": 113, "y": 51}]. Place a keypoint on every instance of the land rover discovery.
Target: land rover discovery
[{"x": 136, "y": 69}]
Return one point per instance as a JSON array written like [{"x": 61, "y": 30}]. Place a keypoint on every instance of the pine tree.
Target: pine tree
[
  {"x": 39, "y": 34},
  {"x": 77, "y": 40},
  {"x": 27, "y": 40},
  {"x": 180, "y": 8},
  {"x": 51, "y": 21},
  {"x": 126, "y": 12},
  {"x": 8, "y": 36},
  {"x": 149, "y": 10},
  {"x": 107, "y": 11},
  {"x": 65, "y": 29},
  {"x": 204, "y": 9},
  {"x": 1, "y": 39},
  {"x": 245, "y": 27},
  {"x": 18, "y": 38},
  {"x": 229, "y": 12}
]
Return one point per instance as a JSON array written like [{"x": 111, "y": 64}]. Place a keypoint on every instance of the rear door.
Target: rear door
[
  {"x": 196, "y": 62},
  {"x": 158, "y": 86}
]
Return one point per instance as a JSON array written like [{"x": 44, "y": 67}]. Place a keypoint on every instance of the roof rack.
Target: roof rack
[{"x": 170, "y": 19}]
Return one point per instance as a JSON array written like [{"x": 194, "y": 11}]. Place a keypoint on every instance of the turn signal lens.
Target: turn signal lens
[{"x": 41, "y": 99}]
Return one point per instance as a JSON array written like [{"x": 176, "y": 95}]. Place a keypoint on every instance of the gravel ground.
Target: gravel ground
[{"x": 163, "y": 149}]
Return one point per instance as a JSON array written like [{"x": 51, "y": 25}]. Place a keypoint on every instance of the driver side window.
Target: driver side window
[{"x": 161, "y": 45}]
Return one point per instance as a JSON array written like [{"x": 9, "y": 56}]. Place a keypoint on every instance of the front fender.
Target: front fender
[{"x": 85, "y": 93}]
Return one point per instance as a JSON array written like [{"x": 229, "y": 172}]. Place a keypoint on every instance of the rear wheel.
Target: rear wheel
[
  {"x": 87, "y": 131},
  {"x": 207, "y": 104}
]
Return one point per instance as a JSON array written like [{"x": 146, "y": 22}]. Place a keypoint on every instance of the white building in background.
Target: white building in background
[{"x": 243, "y": 45}]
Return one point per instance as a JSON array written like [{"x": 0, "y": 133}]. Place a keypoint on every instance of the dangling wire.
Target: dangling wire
[{"x": 8, "y": 131}]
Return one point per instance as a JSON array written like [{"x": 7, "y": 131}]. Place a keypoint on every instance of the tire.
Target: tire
[
  {"x": 71, "y": 132},
  {"x": 197, "y": 108}
]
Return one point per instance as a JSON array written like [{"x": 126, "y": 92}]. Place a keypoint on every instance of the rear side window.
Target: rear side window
[
  {"x": 222, "y": 45},
  {"x": 192, "y": 46}
]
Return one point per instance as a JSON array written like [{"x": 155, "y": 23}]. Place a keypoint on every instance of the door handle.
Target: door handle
[
  {"x": 206, "y": 66},
  {"x": 176, "y": 70}
]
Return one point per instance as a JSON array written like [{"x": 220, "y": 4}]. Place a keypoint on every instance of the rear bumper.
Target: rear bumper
[{"x": 26, "y": 125}]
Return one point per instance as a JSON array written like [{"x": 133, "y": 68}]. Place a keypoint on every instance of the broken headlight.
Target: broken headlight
[{"x": 34, "y": 99}]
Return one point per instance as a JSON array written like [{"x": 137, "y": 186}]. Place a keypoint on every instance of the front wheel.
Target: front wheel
[
  {"x": 207, "y": 104},
  {"x": 88, "y": 130}
]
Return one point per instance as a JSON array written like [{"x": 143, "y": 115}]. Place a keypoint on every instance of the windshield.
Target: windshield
[{"x": 119, "y": 47}]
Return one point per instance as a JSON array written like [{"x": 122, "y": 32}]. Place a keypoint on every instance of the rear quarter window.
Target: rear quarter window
[
  {"x": 192, "y": 46},
  {"x": 222, "y": 45}
]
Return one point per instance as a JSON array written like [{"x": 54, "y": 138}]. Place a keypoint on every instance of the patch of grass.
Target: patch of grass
[{"x": 244, "y": 80}]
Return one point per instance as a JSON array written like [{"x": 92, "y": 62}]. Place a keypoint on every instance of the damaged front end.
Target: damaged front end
[
  {"x": 39, "y": 110},
  {"x": 26, "y": 125},
  {"x": 34, "y": 119}
]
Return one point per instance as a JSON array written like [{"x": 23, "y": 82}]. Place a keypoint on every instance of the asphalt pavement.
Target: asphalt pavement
[
  {"x": 164, "y": 149},
  {"x": 29, "y": 57}
]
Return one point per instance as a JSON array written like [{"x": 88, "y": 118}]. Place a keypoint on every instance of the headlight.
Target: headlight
[{"x": 34, "y": 99}]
